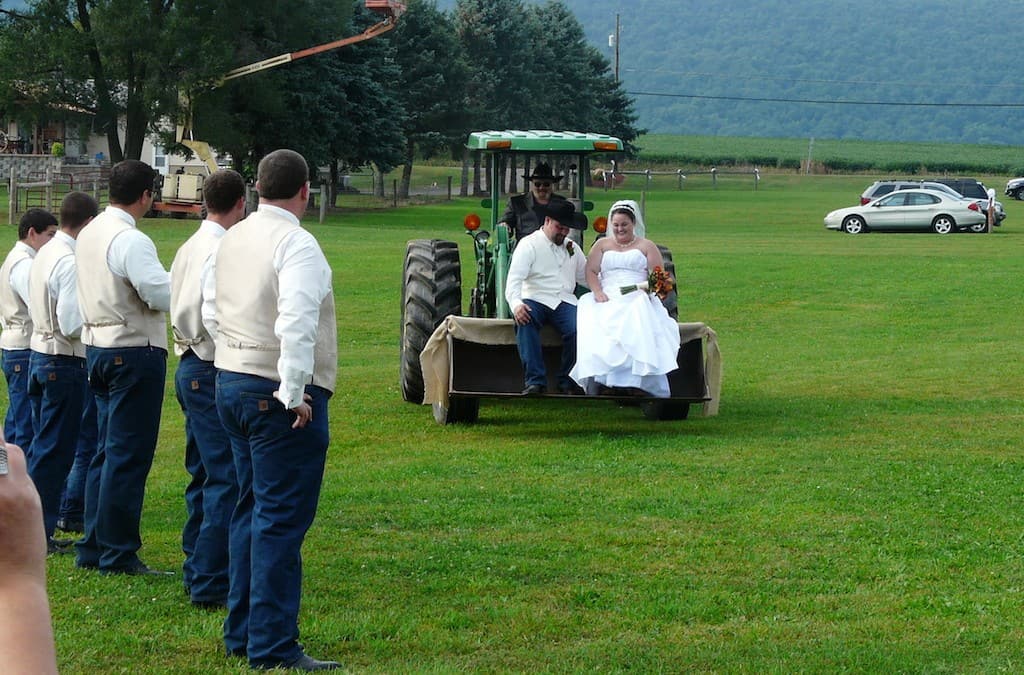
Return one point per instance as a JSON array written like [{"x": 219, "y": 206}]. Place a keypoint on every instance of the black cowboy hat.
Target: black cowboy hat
[
  {"x": 543, "y": 172},
  {"x": 565, "y": 213}
]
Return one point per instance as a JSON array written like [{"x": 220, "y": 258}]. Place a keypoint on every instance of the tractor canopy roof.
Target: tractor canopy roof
[{"x": 539, "y": 140}]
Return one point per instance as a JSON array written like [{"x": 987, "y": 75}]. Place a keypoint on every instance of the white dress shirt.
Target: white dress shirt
[
  {"x": 63, "y": 285},
  {"x": 208, "y": 310},
  {"x": 132, "y": 255},
  {"x": 304, "y": 280},
  {"x": 20, "y": 272},
  {"x": 543, "y": 271},
  {"x": 208, "y": 290}
]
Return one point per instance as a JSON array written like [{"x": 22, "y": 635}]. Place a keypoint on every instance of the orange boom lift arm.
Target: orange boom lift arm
[{"x": 391, "y": 9}]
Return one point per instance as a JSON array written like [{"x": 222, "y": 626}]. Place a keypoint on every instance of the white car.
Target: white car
[
  {"x": 919, "y": 209},
  {"x": 1015, "y": 188}
]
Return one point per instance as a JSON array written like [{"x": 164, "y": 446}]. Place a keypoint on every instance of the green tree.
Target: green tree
[
  {"x": 335, "y": 108},
  {"x": 129, "y": 60},
  {"x": 497, "y": 38},
  {"x": 116, "y": 58},
  {"x": 585, "y": 95},
  {"x": 431, "y": 84}
]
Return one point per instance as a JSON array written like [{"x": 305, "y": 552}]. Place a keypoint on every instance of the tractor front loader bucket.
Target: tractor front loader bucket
[{"x": 467, "y": 359}]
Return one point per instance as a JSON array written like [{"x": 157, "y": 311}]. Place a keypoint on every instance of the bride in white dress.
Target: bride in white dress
[{"x": 624, "y": 340}]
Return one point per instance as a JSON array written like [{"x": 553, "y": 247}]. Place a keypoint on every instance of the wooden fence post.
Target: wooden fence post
[
  {"x": 11, "y": 198},
  {"x": 48, "y": 189}
]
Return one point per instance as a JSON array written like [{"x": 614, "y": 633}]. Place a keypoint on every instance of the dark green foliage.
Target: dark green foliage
[
  {"x": 531, "y": 67},
  {"x": 588, "y": 97},
  {"x": 121, "y": 60},
  {"x": 431, "y": 78},
  {"x": 832, "y": 156},
  {"x": 333, "y": 107}
]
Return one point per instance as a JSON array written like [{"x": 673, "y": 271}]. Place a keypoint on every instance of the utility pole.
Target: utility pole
[{"x": 613, "y": 41}]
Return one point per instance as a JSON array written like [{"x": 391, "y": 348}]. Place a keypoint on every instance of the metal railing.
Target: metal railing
[
  {"x": 609, "y": 179},
  {"x": 47, "y": 189}
]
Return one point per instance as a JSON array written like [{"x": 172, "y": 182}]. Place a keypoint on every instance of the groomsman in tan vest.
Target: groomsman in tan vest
[
  {"x": 213, "y": 490},
  {"x": 124, "y": 293},
  {"x": 36, "y": 227},
  {"x": 276, "y": 357},
  {"x": 63, "y": 410}
]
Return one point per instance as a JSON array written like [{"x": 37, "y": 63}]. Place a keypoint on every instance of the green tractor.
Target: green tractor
[{"x": 475, "y": 356}]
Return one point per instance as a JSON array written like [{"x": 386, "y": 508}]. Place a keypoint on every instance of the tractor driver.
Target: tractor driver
[{"x": 525, "y": 213}]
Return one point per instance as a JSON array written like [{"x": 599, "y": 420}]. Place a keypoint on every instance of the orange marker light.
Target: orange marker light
[
  {"x": 600, "y": 224},
  {"x": 472, "y": 222}
]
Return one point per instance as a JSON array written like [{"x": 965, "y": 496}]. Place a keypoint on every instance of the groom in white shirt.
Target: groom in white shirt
[{"x": 540, "y": 289}]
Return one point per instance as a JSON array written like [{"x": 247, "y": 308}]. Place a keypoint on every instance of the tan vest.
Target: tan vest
[
  {"x": 187, "y": 295},
  {"x": 14, "y": 317},
  {"x": 247, "y": 294},
  {"x": 113, "y": 314},
  {"x": 46, "y": 335}
]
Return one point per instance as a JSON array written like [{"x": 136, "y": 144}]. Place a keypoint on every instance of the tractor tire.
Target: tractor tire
[
  {"x": 671, "y": 301},
  {"x": 431, "y": 290},
  {"x": 666, "y": 410},
  {"x": 459, "y": 411}
]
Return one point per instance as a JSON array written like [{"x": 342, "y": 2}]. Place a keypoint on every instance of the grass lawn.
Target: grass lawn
[{"x": 856, "y": 505}]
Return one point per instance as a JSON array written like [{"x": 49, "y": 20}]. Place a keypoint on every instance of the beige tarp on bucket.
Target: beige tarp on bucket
[{"x": 435, "y": 359}]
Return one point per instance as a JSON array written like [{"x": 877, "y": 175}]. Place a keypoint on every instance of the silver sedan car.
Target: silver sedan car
[{"x": 918, "y": 209}]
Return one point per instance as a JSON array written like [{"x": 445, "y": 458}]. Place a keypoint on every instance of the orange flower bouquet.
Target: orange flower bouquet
[{"x": 658, "y": 282}]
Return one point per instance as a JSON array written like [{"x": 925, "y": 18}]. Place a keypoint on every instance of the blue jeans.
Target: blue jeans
[
  {"x": 280, "y": 471},
  {"x": 563, "y": 318},
  {"x": 18, "y": 420},
  {"x": 212, "y": 492},
  {"x": 128, "y": 383},
  {"x": 58, "y": 388},
  {"x": 72, "y": 505}
]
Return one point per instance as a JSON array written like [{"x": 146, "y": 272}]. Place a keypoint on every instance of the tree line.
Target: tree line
[{"x": 138, "y": 67}]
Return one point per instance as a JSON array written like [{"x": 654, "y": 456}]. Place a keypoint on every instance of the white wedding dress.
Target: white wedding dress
[{"x": 629, "y": 341}]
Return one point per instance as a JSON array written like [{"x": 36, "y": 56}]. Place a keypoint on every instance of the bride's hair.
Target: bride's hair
[{"x": 627, "y": 210}]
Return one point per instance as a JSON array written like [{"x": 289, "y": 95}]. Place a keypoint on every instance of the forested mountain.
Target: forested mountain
[{"x": 917, "y": 70}]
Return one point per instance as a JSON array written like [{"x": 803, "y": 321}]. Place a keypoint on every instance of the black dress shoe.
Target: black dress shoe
[
  {"x": 210, "y": 604},
  {"x": 59, "y": 546},
  {"x": 137, "y": 570},
  {"x": 570, "y": 390},
  {"x": 304, "y": 663},
  {"x": 307, "y": 663},
  {"x": 534, "y": 389}
]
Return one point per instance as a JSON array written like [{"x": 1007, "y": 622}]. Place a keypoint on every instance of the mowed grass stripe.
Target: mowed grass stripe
[{"x": 855, "y": 505}]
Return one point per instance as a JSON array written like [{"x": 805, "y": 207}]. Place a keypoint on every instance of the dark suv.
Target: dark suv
[
  {"x": 968, "y": 187},
  {"x": 973, "y": 189}
]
